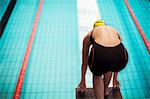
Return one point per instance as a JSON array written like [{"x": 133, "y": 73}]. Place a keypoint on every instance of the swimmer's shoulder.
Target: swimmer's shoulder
[
  {"x": 111, "y": 28},
  {"x": 105, "y": 27}
]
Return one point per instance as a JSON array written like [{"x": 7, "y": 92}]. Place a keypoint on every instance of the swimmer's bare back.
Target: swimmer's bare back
[{"x": 106, "y": 36}]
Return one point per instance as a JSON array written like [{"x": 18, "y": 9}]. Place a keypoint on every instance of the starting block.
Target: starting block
[{"x": 89, "y": 94}]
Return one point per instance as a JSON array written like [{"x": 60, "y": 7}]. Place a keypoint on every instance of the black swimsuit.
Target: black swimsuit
[{"x": 104, "y": 59}]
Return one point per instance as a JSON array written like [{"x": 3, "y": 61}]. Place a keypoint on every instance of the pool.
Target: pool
[{"x": 53, "y": 70}]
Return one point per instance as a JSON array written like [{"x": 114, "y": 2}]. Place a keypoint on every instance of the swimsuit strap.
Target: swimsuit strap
[{"x": 91, "y": 38}]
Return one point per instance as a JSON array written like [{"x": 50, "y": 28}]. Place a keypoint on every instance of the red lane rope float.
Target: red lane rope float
[
  {"x": 27, "y": 54},
  {"x": 138, "y": 26}
]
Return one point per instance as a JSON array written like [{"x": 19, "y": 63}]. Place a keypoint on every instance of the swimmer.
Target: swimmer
[{"x": 107, "y": 55}]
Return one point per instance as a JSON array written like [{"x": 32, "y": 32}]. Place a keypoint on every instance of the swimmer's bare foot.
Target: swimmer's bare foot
[
  {"x": 106, "y": 92},
  {"x": 116, "y": 84}
]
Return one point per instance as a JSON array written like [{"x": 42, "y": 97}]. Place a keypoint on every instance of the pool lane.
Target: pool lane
[
  {"x": 27, "y": 53},
  {"x": 134, "y": 79},
  {"x": 141, "y": 10},
  {"x": 54, "y": 64},
  {"x": 13, "y": 44},
  {"x": 3, "y": 6}
]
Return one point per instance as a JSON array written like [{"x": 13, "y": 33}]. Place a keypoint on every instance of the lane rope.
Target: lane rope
[
  {"x": 17, "y": 92},
  {"x": 138, "y": 25}
]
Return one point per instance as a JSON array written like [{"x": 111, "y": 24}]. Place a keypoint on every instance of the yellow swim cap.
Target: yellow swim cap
[{"x": 99, "y": 23}]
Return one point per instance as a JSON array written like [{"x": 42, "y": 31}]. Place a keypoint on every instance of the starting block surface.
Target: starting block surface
[{"x": 89, "y": 94}]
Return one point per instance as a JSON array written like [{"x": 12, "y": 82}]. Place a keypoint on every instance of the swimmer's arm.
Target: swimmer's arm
[{"x": 85, "y": 51}]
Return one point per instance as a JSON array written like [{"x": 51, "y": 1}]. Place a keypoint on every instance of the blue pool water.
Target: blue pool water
[
  {"x": 134, "y": 79},
  {"x": 54, "y": 66}
]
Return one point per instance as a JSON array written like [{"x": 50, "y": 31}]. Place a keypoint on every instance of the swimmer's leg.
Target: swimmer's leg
[
  {"x": 107, "y": 78},
  {"x": 116, "y": 83},
  {"x": 98, "y": 85}
]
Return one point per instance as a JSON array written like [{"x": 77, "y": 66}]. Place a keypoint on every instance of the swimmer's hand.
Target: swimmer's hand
[
  {"x": 82, "y": 86},
  {"x": 116, "y": 84}
]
